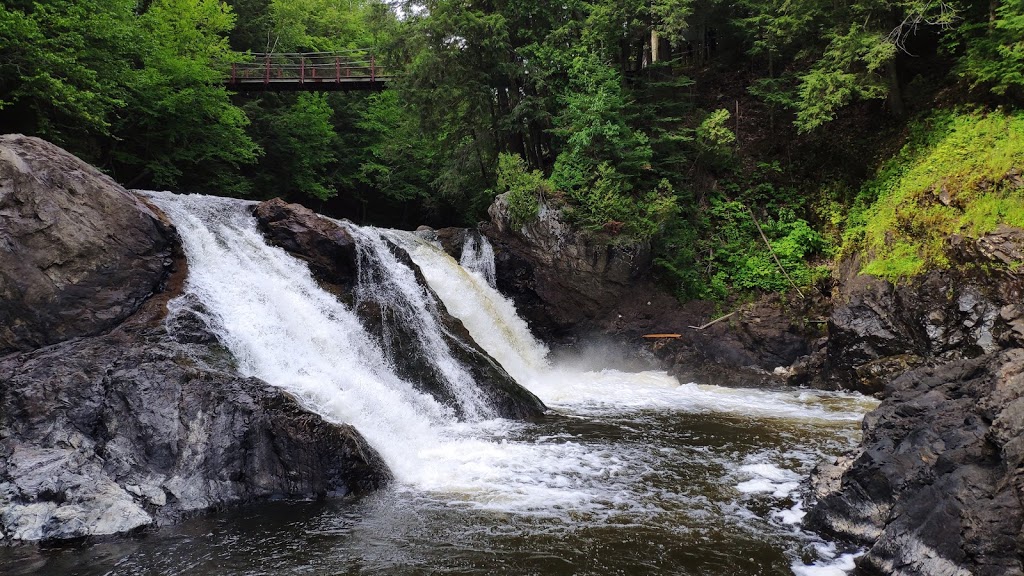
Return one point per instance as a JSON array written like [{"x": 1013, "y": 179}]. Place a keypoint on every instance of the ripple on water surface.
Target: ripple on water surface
[{"x": 683, "y": 485}]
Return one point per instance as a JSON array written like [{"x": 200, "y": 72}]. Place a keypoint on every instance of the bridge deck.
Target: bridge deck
[{"x": 319, "y": 71}]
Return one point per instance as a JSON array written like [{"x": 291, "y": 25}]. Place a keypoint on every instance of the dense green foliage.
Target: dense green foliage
[
  {"x": 959, "y": 174},
  {"x": 744, "y": 139}
]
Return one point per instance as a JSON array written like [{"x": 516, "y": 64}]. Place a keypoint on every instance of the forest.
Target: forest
[{"x": 712, "y": 129}]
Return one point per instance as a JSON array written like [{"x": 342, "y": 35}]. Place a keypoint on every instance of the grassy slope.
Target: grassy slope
[{"x": 960, "y": 173}]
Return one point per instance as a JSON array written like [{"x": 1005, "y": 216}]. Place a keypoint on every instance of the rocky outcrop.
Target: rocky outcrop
[
  {"x": 878, "y": 330},
  {"x": 114, "y": 417},
  {"x": 114, "y": 433},
  {"x": 563, "y": 279},
  {"x": 335, "y": 260},
  {"x": 937, "y": 485},
  {"x": 574, "y": 287},
  {"x": 328, "y": 248},
  {"x": 78, "y": 253}
]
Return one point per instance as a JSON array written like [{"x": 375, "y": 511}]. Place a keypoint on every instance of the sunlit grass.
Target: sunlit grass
[{"x": 959, "y": 174}]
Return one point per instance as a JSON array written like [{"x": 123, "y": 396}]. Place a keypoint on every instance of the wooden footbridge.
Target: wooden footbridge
[{"x": 309, "y": 71}]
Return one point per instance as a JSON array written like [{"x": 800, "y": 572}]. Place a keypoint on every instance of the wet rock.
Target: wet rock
[
  {"x": 78, "y": 253},
  {"x": 113, "y": 433},
  {"x": 877, "y": 329},
  {"x": 936, "y": 488},
  {"x": 452, "y": 240},
  {"x": 117, "y": 424},
  {"x": 561, "y": 279},
  {"x": 327, "y": 247}
]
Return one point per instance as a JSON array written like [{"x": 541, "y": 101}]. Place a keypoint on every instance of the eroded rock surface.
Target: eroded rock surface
[
  {"x": 78, "y": 253},
  {"x": 937, "y": 487},
  {"x": 110, "y": 421}
]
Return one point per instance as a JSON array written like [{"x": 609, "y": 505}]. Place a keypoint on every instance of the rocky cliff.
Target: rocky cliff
[
  {"x": 115, "y": 416},
  {"x": 937, "y": 487},
  {"x": 574, "y": 287}
]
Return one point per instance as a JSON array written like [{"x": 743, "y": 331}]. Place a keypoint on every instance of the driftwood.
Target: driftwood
[
  {"x": 662, "y": 335},
  {"x": 715, "y": 321}
]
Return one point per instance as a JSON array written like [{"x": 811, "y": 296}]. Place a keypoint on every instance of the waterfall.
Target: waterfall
[
  {"x": 282, "y": 327},
  {"x": 382, "y": 278},
  {"x": 490, "y": 318},
  {"x": 478, "y": 256}
]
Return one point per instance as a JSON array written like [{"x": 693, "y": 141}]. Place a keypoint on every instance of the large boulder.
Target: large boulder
[
  {"x": 113, "y": 433},
  {"x": 78, "y": 253},
  {"x": 328, "y": 248},
  {"x": 335, "y": 259}
]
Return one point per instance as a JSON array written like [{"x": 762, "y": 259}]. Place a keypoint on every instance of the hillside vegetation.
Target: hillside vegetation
[{"x": 752, "y": 141}]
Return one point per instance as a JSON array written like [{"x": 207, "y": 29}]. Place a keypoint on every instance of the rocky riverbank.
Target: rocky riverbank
[{"x": 936, "y": 488}]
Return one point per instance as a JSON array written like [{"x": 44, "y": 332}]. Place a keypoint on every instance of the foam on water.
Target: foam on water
[{"x": 283, "y": 328}]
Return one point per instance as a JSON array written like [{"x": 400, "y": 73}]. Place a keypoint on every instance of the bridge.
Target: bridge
[{"x": 309, "y": 71}]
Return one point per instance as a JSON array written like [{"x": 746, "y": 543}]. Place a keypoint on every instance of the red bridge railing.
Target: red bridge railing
[{"x": 309, "y": 71}]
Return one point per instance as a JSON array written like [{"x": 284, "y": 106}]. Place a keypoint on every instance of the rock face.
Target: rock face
[
  {"x": 563, "y": 279},
  {"x": 572, "y": 286},
  {"x": 337, "y": 261},
  {"x": 878, "y": 330},
  {"x": 937, "y": 489},
  {"x": 112, "y": 433},
  {"x": 937, "y": 486},
  {"x": 78, "y": 253},
  {"x": 114, "y": 417}
]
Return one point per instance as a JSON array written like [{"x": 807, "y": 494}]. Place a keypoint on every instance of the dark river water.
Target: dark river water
[{"x": 682, "y": 490}]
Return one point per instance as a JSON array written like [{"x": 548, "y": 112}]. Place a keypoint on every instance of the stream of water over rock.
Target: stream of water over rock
[{"x": 629, "y": 473}]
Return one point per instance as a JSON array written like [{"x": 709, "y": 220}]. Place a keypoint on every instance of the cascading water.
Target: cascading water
[
  {"x": 632, "y": 473},
  {"x": 384, "y": 279},
  {"x": 478, "y": 256}
]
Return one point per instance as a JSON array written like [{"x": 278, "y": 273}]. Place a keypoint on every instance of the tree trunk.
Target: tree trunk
[{"x": 895, "y": 97}]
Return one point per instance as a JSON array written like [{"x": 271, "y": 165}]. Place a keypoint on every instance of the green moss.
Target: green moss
[{"x": 959, "y": 174}]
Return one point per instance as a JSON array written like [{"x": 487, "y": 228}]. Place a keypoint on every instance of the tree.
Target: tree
[
  {"x": 994, "y": 48},
  {"x": 181, "y": 129},
  {"x": 64, "y": 67}
]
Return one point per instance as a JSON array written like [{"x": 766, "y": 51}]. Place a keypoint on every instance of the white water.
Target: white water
[
  {"x": 385, "y": 280},
  {"x": 478, "y": 257},
  {"x": 282, "y": 327}
]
